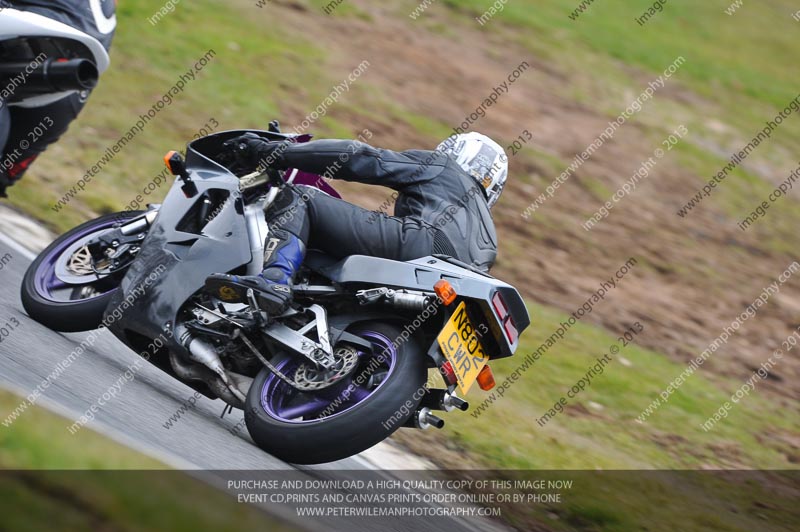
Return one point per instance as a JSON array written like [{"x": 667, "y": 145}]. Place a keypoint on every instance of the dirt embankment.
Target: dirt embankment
[{"x": 694, "y": 275}]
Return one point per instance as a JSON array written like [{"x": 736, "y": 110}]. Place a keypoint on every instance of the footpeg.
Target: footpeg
[{"x": 258, "y": 314}]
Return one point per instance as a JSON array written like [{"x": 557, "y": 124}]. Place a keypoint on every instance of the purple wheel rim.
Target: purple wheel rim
[
  {"x": 282, "y": 402},
  {"x": 46, "y": 280}
]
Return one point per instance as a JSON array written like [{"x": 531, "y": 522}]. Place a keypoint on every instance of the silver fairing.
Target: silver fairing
[{"x": 420, "y": 275}]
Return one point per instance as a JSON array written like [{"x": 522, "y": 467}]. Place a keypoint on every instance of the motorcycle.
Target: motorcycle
[
  {"x": 339, "y": 371},
  {"x": 43, "y": 60}
]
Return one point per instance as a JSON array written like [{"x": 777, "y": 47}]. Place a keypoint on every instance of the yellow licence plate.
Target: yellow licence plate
[{"x": 462, "y": 348}]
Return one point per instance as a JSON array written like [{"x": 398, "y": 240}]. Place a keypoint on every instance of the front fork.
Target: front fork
[
  {"x": 257, "y": 231},
  {"x": 140, "y": 224},
  {"x": 117, "y": 246}
]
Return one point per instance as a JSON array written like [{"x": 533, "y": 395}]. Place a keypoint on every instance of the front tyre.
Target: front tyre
[
  {"x": 375, "y": 399},
  {"x": 60, "y": 290}
]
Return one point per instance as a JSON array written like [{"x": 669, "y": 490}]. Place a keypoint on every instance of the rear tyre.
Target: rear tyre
[
  {"x": 306, "y": 428},
  {"x": 68, "y": 306}
]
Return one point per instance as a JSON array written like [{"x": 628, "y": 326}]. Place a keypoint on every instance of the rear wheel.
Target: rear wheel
[
  {"x": 61, "y": 290},
  {"x": 373, "y": 400}
]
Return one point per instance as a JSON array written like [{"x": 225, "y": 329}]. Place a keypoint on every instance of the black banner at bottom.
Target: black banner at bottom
[{"x": 356, "y": 500}]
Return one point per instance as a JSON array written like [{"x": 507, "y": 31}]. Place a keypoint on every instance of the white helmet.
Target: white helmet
[{"x": 482, "y": 158}]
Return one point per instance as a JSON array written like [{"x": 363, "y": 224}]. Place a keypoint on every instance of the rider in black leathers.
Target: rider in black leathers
[
  {"x": 96, "y": 19},
  {"x": 442, "y": 207}
]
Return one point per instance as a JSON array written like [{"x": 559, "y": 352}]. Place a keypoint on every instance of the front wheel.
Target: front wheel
[
  {"x": 61, "y": 289},
  {"x": 375, "y": 398}
]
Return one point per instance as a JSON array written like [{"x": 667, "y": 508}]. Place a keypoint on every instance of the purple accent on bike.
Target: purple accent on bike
[
  {"x": 313, "y": 180},
  {"x": 282, "y": 402},
  {"x": 46, "y": 280}
]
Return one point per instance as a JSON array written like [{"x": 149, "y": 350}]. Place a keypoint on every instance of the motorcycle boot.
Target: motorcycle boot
[{"x": 283, "y": 255}]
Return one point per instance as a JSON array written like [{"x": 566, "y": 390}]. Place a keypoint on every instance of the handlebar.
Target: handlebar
[{"x": 261, "y": 177}]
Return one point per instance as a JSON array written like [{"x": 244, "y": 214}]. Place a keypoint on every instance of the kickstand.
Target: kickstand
[{"x": 227, "y": 410}]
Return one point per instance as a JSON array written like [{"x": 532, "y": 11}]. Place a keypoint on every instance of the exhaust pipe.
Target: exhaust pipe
[
  {"x": 188, "y": 371},
  {"x": 424, "y": 419},
  {"x": 437, "y": 399},
  {"x": 202, "y": 353},
  {"x": 52, "y": 75}
]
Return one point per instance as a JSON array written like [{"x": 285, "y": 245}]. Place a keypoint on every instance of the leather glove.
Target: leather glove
[{"x": 251, "y": 151}]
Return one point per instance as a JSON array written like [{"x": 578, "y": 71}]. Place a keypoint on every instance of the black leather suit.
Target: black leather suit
[{"x": 439, "y": 207}]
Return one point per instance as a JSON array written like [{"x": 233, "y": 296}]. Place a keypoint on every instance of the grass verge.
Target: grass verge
[{"x": 88, "y": 482}]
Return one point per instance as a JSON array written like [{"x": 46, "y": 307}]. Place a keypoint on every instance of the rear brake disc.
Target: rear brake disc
[{"x": 310, "y": 378}]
